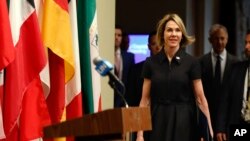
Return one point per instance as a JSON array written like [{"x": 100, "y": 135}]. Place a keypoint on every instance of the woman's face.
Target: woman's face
[{"x": 172, "y": 35}]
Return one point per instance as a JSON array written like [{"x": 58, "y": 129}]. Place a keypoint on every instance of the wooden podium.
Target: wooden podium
[{"x": 110, "y": 124}]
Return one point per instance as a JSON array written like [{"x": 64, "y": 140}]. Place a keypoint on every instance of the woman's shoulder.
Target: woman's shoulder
[
  {"x": 159, "y": 56},
  {"x": 188, "y": 56}
]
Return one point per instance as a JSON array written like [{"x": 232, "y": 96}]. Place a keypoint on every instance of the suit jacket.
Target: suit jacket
[
  {"x": 128, "y": 60},
  {"x": 212, "y": 93},
  {"x": 233, "y": 95},
  {"x": 134, "y": 91}
]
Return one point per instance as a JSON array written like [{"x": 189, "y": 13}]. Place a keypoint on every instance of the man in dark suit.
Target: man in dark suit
[
  {"x": 123, "y": 62},
  {"x": 216, "y": 67},
  {"x": 234, "y": 108}
]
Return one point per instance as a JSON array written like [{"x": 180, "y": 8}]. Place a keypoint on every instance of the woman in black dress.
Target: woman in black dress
[{"x": 172, "y": 86}]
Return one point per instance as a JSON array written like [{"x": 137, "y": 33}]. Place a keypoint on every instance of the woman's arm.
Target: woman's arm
[
  {"x": 145, "y": 101},
  {"x": 202, "y": 102}
]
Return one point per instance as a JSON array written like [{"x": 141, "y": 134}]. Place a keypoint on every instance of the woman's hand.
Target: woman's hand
[
  {"x": 139, "y": 138},
  {"x": 221, "y": 137}
]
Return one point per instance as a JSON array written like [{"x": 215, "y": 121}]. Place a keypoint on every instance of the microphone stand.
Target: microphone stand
[{"x": 112, "y": 84}]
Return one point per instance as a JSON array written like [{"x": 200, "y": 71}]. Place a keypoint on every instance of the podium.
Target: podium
[{"x": 110, "y": 124}]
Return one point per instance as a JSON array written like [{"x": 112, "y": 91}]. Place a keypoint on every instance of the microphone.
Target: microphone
[{"x": 103, "y": 67}]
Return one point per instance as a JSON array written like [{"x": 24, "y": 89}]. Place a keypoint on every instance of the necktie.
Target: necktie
[
  {"x": 117, "y": 63},
  {"x": 217, "y": 72}
]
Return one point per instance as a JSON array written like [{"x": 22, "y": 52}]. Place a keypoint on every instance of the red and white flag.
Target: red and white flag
[
  {"x": 24, "y": 109},
  {"x": 7, "y": 53},
  {"x": 73, "y": 87}
]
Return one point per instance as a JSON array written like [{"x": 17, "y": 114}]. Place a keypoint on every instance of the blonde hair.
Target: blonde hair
[{"x": 186, "y": 39}]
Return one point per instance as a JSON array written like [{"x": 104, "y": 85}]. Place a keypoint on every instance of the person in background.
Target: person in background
[
  {"x": 172, "y": 86},
  {"x": 123, "y": 62},
  {"x": 235, "y": 105},
  {"x": 125, "y": 41},
  {"x": 135, "y": 80},
  {"x": 216, "y": 69}
]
